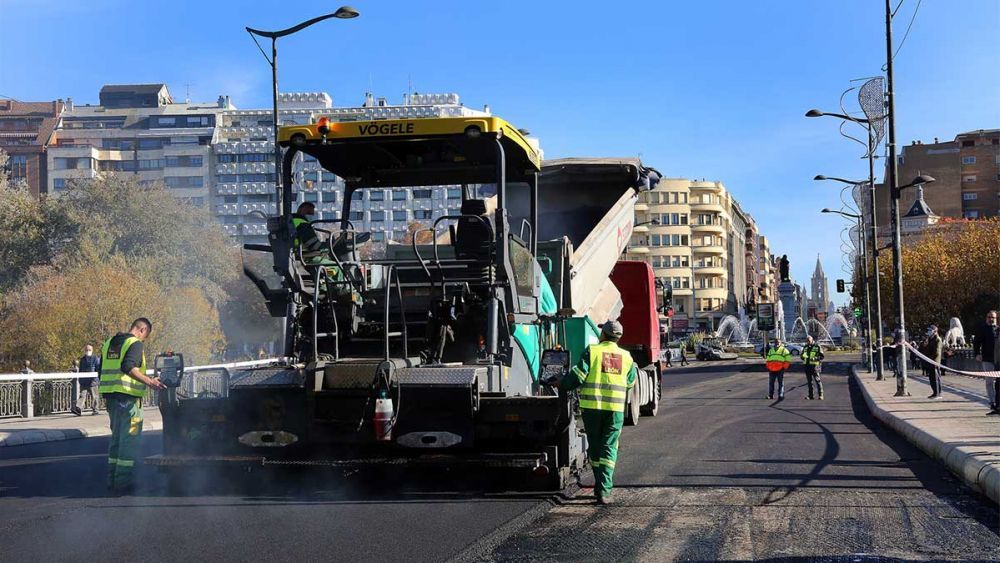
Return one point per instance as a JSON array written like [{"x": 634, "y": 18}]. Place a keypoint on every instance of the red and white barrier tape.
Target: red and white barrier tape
[{"x": 987, "y": 374}]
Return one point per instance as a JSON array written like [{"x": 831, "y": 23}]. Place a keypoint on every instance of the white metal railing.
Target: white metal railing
[{"x": 38, "y": 394}]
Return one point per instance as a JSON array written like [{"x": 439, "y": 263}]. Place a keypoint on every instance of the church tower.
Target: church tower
[{"x": 820, "y": 294}]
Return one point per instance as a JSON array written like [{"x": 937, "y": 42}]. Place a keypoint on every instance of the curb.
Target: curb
[
  {"x": 980, "y": 475},
  {"x": 26, "y": 437}
]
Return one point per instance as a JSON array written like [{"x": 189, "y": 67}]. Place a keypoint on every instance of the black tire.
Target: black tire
[{"x": 653, "y": 407}]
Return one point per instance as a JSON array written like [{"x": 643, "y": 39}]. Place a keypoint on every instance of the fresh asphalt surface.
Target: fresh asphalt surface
[{"x": 716, "y": 431}]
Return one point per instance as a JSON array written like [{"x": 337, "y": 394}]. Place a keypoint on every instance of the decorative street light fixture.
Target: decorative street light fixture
[
  {"x": 344, "y": 12},
  {"x": 867, "y": 352}
]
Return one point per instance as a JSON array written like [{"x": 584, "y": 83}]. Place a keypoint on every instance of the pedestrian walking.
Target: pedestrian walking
[
  {"x": 812, "y": 356},
  {"x": 684, "y": 360},
  {"x": 777, "y": 358},
  {"x": 933, "y": 347},
  {"x": 26, "y": 367},
  {"x": 986, "y": 350},
  {"x": 123, "y": 383},
  {"x": 603, "y": 375},
  {"x": 88, "y": 363}
]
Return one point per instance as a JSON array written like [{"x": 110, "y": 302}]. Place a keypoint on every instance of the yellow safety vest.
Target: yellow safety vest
[
  {"x": 778, "y": 359},
  {"x": 296, "y": 221},
  {"x": 607, "y": 381},
  {"x": 810, "y": 354},
  {"x": 112, "y": 378}
]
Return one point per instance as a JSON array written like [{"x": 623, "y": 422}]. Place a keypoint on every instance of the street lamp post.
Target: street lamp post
[
  {"x": 864, "y": 277},
  {"x": 873, "y": 237},
  {"x": 344, "y": 12}
]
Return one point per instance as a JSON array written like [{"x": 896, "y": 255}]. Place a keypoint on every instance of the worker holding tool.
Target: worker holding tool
[
  {"x": 603, "y": 376},
  {"x": 123, "y": 383}
]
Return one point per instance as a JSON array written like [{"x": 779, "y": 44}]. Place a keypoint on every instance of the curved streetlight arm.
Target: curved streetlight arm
[
  {"x": 842, "y": 180},
  {"x": 845, "y": 214},
  {"x": 344, "y": 12},
  {"x": 818, "y": 113}
]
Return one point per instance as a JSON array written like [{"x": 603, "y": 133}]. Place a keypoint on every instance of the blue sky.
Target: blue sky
[{"x": 709, "y": 89}]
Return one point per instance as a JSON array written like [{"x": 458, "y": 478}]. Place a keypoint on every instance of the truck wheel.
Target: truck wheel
[
  {"x": 632, "y": 406},
  {"x": 653, "y": 406}
]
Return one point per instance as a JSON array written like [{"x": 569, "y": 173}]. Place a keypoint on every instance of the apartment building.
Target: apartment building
[
  {"x": 698, "y": 246},
  {"x": 244, "y": 168},
  {"x": 967, "y": 174},
  {"x": 137, "y": 129},
  {"x": 26, "y": 129}
]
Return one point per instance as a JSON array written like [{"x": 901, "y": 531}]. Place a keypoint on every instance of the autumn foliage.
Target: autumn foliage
[
  {"x": 952, "y": 270},
  {"x": 107, "y": 251}
]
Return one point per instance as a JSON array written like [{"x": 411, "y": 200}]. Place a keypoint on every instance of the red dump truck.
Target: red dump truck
[{"x": 640, "y": 320}]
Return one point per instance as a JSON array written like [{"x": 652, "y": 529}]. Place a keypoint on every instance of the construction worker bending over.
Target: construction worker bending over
[
  {"x": 123, "y": 383},
  {"x": 777, "y": 358},
  {"x": 812, "y": 356},
  {"x": 603, "y": 376}
]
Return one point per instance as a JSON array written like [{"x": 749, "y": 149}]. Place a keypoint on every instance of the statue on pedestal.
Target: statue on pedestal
[{"x": 783, "y": 268}]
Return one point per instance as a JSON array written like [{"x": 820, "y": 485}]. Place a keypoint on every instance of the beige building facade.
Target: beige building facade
[{"x": 694, "y": 235}]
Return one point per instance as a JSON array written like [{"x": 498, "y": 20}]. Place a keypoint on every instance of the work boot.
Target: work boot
[
  {"x": 821, "y": 397},
  {"x": 76, "y": 410},
  {"x": 604, "y": 500}
]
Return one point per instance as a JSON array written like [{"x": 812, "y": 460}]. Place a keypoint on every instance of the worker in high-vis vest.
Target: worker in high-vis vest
[
  {"x": 603, "y": 377},
  {"x": 305, "y": 234},
  {"x": 812, "y": 358},
  {"x": 777, "y": 358},
  {"x": 123, "y": 383}
]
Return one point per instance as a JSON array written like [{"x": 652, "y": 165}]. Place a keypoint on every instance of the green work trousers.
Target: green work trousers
[
  {"x": 125, "y": 412},
  {"x": 603, "y": 429}
]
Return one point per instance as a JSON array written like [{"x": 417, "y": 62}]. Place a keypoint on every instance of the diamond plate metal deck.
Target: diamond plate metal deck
[
  {"x": 267, "y": 377},
  {"x": 464, "y": 376}
]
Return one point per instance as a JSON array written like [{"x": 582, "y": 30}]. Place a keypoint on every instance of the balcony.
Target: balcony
[
  {"x": 698, "y": 205},
  {"x": 710, "y": 249},
  {"x": 711, "y": 270},
  {"x": 708, "y": 228},
  {"x": 637, "y": 250},
  {"x": 641, "y": 207}
]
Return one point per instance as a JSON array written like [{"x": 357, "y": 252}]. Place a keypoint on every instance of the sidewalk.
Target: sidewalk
[
  {"x": 953, "y": 430},
  {"x": 23, "y": 431}
]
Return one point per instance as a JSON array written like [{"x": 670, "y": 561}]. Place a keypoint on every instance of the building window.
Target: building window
[
  {"x": 421, "y": 194},
  {"x": 329, "y": 197},
  {"x": 377, "y": 216},
  {"x": 454, "y": 193},
  {"x": 378, "y": 237},
  {"x": 225, "y": 178},
  {"x": 971, "y": 214},
  {"x": 150, "y": 144},
  {"x": 968, "y": 179},
  {"x": 398, "y": 195},
  {"x": 184, "y": 181},
  {"x": 310, "y": 196},
  {"x": 968, "y": 159},
  {"x": 18, "y": 166},
  {"x": 970, "y": 196},
  {"x": 654, "y": 240},
  {"x": 183, "y": 161},
  {"x": 968, "y": 144},
  {"x": 59, "y": 183},
  {"x": 422, "y": 214},
  {"x": 376, "y": 195},
  {"x": 357, "y": 216},
  {"x": 399, "y": 215}
]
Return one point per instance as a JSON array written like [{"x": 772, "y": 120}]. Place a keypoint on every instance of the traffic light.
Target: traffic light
[{"x": 840, "y": 286}]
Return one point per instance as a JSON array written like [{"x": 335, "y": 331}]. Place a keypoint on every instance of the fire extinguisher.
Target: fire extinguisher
[{"x": 383, "y": 418}]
